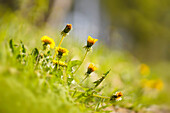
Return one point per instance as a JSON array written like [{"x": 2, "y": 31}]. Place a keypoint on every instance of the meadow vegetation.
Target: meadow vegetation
[{"x": 44, "y": 70}]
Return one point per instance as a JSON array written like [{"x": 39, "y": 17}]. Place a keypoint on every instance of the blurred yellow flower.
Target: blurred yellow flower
[
  {"x": 91, "y": 68},
  {"x": 144, "y": 69},
  {"x": 66, "y": 29},
  {"x": 47, "y": 40},
  {"x": 154, "y": 84},
  {"x": 158, "y": 84},
  {"x": 60, "y": 63},
  {"x": 61, "y": 51},
  {"x": 91, "y": 41}
]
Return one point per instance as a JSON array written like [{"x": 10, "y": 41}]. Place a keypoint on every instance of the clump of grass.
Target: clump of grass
[{"x": 51, "y": 68}]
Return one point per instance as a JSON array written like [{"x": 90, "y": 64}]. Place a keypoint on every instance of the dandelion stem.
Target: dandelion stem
[
  {"x": 81, "y": 61},
  {"x": 54, "y": 55},
  {"x": 64, "y": 76},
  {"x": 94, "y": 95},
  {"x": 74, "y": 93},
  {"x": 83, "y": 79},
  {"x": 58, "y": 66},
  {"x": 61, "y": 41},
  {"x": 36, "y": 64},
  {"x": 101, "y": 96}
]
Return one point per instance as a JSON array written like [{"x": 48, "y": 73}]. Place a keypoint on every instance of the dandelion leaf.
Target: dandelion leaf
[
  {"x": 11, "y": 45},
  {"x": 97, "y": 82},
  {"x": 23, "y": 47},
  {"x": 35, "y": 52},
  {"x": 72, "y": 64}
]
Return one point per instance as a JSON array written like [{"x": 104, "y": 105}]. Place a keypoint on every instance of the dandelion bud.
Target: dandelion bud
[
  {"x": 90, "y": 41},
  {"x": 91, "y": 68},
  {"x": 66, "y": 29}
]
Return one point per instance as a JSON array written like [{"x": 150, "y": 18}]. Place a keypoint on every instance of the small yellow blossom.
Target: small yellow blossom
[
  {"x": 158, "y": 84},
  {"x": 91, "y": 41},
  {"x": 144, "y": 69},
  {"x": 47, "y": 40},
  {"x": 91, "y": 68},
  {"x": 62, "y": 64},
  {"x": 66, "y": 29},
  {"x": 117, "y": 96},
  {"x": 61, "y": 51},
  {"x": 154, "y": 84}
]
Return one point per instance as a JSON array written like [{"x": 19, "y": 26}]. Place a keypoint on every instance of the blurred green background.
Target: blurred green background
[
  {"x": 130, "y": 32},
  {"x": 139, "y": 26}
]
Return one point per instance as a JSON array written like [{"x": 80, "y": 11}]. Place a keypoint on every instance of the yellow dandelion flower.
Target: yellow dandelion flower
[
  {"x": 91, "y": 68},
  {"x": 91, "y": 41},
  {"x": 117, "y": 96},
  {"x": 60, "y": 63},
  {"x": 144, "y": 69},
  {"x": 61, "y": 51},
  {"x": 66, "y": 29},
  {"x": 47, "y": 40}
]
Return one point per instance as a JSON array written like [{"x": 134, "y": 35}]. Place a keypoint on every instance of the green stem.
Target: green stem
[
  {"x": 74, "y": 93},
  {"x": 54, "y": 55},
  {"x": 94, "y": 95},
  {"x": 99, "y": 96},
  {"x": 58, "y": 66},
  {"x": 37, "y": 61},
  {"x": 61, "y": 41},
  {"x": 84, "y": 79},
  {"x": 81, "y": 61},
  {"x": 64, "y": 76}
]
